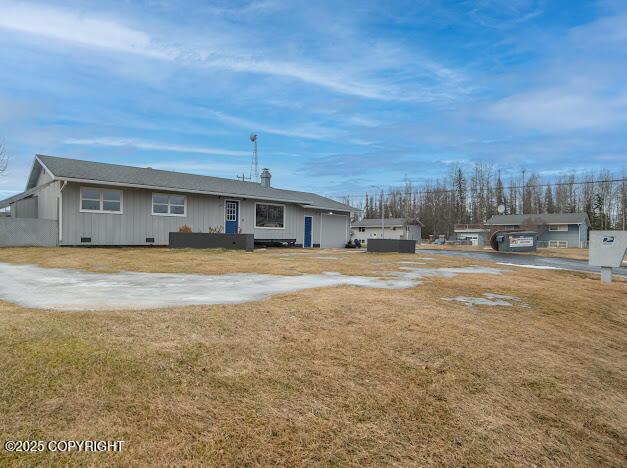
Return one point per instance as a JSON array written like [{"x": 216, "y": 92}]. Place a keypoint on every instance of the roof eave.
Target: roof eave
[
  {"x": 345, "y": 208},
  {"x": 183, "y": 190},
  {"x": 25, "y": 194}
]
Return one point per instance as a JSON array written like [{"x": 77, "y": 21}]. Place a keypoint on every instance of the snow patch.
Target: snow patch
[
  {"x": 63, "y": 289},
  {"x": 489, "y": 299},
  {"x": 535, "y": 267}
]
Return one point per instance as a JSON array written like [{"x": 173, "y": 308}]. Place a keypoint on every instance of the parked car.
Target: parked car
[{"x": 439, "y": 241}]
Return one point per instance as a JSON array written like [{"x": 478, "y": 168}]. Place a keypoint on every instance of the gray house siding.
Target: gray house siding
[
  {"x": 43, "y": 178},
  {"x": 572, "y": 236},
  {"x": 26, "y": 208},
  {"x": 136, "y": 222},
  {"x": 48, "y": 201}
]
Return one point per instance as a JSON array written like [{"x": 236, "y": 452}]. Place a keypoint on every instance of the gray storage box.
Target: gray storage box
[
  {"x": 391, "y": 245},
  {"x": 201, "y": 240}
]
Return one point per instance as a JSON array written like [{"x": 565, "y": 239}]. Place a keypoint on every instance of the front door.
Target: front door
[
  {"x": 307, "y": 239},
  {"x": 231, "y": 217}
]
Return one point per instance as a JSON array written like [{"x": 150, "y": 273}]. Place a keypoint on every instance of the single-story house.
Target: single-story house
[
  {"x": 103, "y": 204},
  {"x": 388, "y": 228},
  {"x": 476, "y": 234},
  {"x": 554, "y": 230}
]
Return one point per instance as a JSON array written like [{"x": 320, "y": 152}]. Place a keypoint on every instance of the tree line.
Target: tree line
[{"x": 472, "y": 197}]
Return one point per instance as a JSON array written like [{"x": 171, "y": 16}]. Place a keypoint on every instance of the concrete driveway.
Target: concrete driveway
[{"x": 537, "y": 261}]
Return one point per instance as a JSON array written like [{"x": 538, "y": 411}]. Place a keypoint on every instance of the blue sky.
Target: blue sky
[{"x": 344, "y": 95}]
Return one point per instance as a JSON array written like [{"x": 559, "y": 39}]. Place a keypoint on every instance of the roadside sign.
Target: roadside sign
[
  {"x": 521, "y": 242},
  {"x": 607, "y": 250}
]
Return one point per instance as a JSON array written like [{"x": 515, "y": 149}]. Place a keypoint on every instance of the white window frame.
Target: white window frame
[
  {"x": 237, "y": 211},
  {"x": 101, "y": 191},
  {"x": 558, "y": 227},
  {"x": 271, "y": 204},
  {"x": 152, "y": 204},
  {"x": 558, "y": 244}
]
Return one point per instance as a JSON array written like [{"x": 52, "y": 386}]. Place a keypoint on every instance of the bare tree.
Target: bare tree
[
  {"x": 534, "y": 223},
  {"x": 4, "y": 159},
  {"x": 472, "y": 197}
]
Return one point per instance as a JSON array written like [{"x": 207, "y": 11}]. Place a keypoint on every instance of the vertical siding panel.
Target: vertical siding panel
[{"x": 137, "y": 221}]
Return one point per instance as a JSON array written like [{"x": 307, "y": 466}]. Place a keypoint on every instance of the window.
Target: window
[
  {"x": 269, "y": 216},
  {"x": 558, "y": 227},
  {"x": 231, "y": 211},
  {"x": 362, "y": 229},
  {"x": 97, "y": 200},
  {"x": 164, "y": 204},
  {"x": 558, "y": 244}
]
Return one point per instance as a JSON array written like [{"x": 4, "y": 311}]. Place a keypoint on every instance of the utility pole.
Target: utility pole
[
  {"x": 523, "y": 193},
  {"x": 623, "y": 197},
  {"x": 382, "y": 223}
]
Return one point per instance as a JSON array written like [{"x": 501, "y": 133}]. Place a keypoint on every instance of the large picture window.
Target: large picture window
[
  {"x": 99, "y": 200},
  {"x": 164, "y": 204},
  {"x": 269, "y": 216}
]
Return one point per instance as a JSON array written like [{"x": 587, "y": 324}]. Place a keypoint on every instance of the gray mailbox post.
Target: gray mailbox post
[{"x": 607, "y": 250}]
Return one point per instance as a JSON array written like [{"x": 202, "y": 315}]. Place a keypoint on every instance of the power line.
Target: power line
[{"x": 509, "y": 187}]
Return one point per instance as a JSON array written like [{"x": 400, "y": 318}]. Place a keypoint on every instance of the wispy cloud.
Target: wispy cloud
[
  {"x": 72, "y": 26},
  {"x": 561, "y": 110},
  {"x": 362, "y": 121},
  {"x": 251, "y": 8},
  {"x": 155, "y": 146},
  {"x": 309, "y": 131},
  {"x": 219, "y": 51},
  {"x": 500, "y": 14}
]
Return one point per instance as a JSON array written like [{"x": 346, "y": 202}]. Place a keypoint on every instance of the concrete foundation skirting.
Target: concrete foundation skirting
[
  {"x": 391, "y": 245},
  {"x": 201, "y": 240}
]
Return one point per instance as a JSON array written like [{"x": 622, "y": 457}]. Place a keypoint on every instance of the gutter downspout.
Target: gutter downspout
[{"x": 61, "y": 211}]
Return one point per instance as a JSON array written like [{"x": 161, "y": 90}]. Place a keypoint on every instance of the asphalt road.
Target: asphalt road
[{"x": 530, "y": 261}]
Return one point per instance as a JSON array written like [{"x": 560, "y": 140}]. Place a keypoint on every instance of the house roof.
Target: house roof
[
  {"x": 387, "y": 222},
  {"x": 548, "y": 218},
  {"x": 115, "y": 174}
]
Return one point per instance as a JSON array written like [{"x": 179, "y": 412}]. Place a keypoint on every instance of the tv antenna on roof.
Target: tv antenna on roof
[{"x": 254, "y": 164}]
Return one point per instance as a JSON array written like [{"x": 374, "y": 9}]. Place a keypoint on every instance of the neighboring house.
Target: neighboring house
[
  {"x": 554, "y": 230},
  {"x": 390, "y": 228},
  {"x": 107, "y": 204},
  {"x": 476, "y": 234}
]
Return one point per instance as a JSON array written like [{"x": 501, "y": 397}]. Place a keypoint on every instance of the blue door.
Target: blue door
[
  {"x": 231, "y": 216},
  {"x": 307, "y": 239}
]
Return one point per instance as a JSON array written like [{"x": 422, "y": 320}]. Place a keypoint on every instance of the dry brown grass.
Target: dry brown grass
[
  {"x": 576, "y": 254},
  {"x": 337, "y": 376}
]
